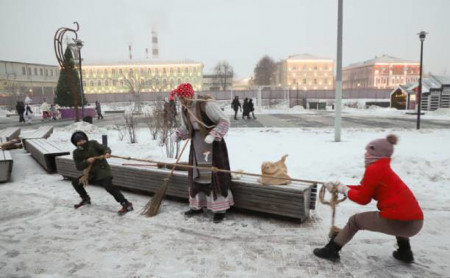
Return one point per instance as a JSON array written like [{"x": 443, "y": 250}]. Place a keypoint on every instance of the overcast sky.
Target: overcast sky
[{"x": 237, "y": 31}]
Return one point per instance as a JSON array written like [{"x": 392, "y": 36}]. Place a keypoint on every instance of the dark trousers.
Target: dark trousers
[
  {"x": 106, "y": 183},
  {"x": 235, "y": 114},
  {"x": 21, "y": 118},
  {"x": 99, "y": 116},
  {"x": 372, "y": 221}
]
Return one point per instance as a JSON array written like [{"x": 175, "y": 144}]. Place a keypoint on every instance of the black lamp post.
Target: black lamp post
[
  {"x": 422, "y": 36},
  {"x": 76, "y": 48}
]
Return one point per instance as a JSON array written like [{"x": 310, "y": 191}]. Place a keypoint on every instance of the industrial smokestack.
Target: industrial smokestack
[
  {"x": 129, "y": 50},
  {"x": 155, "y": 50}
]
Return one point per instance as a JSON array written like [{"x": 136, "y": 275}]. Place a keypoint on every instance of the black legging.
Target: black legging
[{"x": 106, "y": 183}]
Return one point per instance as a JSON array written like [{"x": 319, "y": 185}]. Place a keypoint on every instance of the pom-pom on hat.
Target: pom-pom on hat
[
  {"x": 183, "y": 90},
  {"x": 383, "y": 147}
]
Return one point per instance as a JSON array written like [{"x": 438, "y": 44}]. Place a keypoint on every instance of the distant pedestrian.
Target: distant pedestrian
[
  {"x": 251, "y": 108},
  {"x": 28, "y": 114},
  {"x": 45, "y": 110},
  {"x": 98, "y": 107},
  {"x": 54, "y": 111},
  {"x": 246, "y": 112},
  {"x": 20, "y": 108},
  {"x": 236, "y": 105}
]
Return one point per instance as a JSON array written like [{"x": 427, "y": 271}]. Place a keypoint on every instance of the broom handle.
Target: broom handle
[
  {"x": 178, "y": 159},
  {"x": 216, "y": 169}
]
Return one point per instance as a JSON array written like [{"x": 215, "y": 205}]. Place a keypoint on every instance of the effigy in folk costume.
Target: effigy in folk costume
[{"x": 206, "y": 125}]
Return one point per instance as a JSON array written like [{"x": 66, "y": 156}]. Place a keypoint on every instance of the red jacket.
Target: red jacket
[{"x": 395, "y": 200}]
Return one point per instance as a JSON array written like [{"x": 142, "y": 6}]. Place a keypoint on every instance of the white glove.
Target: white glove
[
  {"x": 329, "y": 186},
  {"x": 174, "y": 137},
  {"x": 340, "y": 187},
  {"x": 209, "y": 139},
  {"x": 343, "y": 189}
]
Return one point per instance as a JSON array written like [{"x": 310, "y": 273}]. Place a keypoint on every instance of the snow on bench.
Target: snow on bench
[
  {"x": 45, "y": 152},
  {"x": 293, "y": 201},
  {"x": 41, "y": 132},
  {"x": 9, "y": 134},
  {"x": 6, "y": 164}
]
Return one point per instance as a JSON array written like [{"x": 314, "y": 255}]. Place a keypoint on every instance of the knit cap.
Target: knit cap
[{"x": 379, "y": 148}]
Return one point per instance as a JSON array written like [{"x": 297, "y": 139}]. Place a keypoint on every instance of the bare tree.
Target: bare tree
[
  {"x": 264, "y": 71},
  {"x": 224, "y": 73},
  {"x": 135, "y": 88},
  {"x": 130, "y": 127},
  {"x": 120, "y": 130}
]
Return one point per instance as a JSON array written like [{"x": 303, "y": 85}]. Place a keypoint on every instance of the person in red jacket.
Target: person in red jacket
[{"x": 399, "y": 212}]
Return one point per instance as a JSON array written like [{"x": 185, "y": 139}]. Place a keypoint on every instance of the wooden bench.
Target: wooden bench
[
  {"x": 9, "y": 133},
  {"x": 41, "y": 132},
  {"x": 6, "y": 164},
  {"x": 45, "y": 152},
  {"x": 294, "y": 201}
]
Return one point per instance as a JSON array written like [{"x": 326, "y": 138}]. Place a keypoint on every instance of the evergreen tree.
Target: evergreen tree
[
  {"x": 264, "y": 71},
  {"x": 68, "y": 83}
]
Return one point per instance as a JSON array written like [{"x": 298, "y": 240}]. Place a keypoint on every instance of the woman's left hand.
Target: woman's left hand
[{"x": 209, "y": 139}]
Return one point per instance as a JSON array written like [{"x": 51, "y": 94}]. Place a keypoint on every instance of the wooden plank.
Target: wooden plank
[
  {"x": 44, "y": 152},
  {"x": 6, "y": 165},
  {"x": 10, "y": 133}
]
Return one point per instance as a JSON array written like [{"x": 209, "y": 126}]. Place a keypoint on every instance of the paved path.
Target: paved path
[
  {"x": 315, "y": 119},
  {"x": 323, "y": 119}
]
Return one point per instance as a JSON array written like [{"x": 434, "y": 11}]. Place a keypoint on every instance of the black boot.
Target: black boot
[
  {"x": 126, "y": 207},
  {"x": 403, "y": 253},
  {"x": 218, "y": 217},
  {"x": 84, "y": 201},
  {"x": 192, "y": 212},
  {"x": 329, "y": 252}
]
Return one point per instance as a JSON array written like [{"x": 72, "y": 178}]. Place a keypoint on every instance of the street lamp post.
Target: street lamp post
[
  {"x": 422, "y": 36},
  {"x": 338, "y": 94},
  {"x": 76, "y": 48}
]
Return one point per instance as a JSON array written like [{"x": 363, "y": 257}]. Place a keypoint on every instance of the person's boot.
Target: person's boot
[
  {"x": 126, "y": 207},
  {"x": 192, "y": 212},
  {"x": 84, "y": 201},
  {"x": 218, "y": 217},
  {"x": 403, "y": 253},
  {"x": 329, "y": 252}
]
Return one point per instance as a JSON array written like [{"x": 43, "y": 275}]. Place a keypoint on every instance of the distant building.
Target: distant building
[
  {"x": 305, "y": 72},
  {"x": 215, "y": 82},
  {"x": 385, "y": 72},
  {"x": 17, "y": 78},
  {"x": 435, "y": 94},
  {"x": 153, "y": 76}
]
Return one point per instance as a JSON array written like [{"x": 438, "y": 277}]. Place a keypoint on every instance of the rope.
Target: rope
[
  {"x": 334, "y": 201},
  {"x": 213, "y": 169},
  {"x": 85, "y": 178},
  {"x": 195, "y": 117}
]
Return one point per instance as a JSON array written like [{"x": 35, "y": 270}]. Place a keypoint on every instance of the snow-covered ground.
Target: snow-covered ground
[{"x": 41, "y": 235}]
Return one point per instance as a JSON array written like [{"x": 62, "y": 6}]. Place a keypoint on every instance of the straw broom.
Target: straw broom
[{"x": 152, "y": 207}]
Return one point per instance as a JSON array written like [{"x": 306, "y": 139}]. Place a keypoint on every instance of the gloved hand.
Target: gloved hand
[
  {"x": 329, "y": 186},
  {"x": 174, "y": 137},
  {"x": 209, "y": 139},
  {"x": 340, "y": 187},
  {"x": 343, "y": 189}
]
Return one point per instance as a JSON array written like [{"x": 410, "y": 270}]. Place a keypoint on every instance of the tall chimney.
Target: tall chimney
[
  {"x": 155, "y": 51},
  {"x": 129, "y": 50}
]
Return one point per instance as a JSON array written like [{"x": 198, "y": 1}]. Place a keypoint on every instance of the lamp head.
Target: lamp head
[{"x": 422, "y": 35}]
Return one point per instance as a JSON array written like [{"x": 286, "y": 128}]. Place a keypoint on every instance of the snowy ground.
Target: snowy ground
[{"x": 41, "y": 235}]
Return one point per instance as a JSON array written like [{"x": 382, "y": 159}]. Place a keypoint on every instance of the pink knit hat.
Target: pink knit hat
[{"x": 379, "y": 148}]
